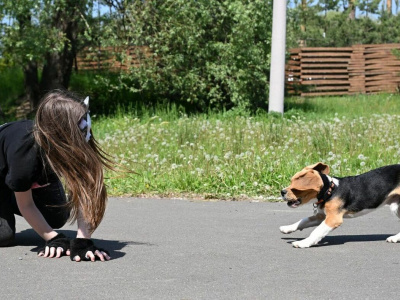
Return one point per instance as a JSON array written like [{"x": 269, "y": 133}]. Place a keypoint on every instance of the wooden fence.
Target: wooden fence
[
  {"x": 109, "y": 58},
  {"x": 343, "y": 71}
]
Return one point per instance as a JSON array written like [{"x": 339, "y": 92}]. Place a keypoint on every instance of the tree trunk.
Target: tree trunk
[
  {"x": 303, "y": 21},
  {"x": 302, "y": 43},
  {"x": 31, "y": 80},
  {"x": 389, "y": 6},
  {"x": 52, "y": 73},
  {"x": 58, "y": 66},
  {"x": 31, "y": 83},
  {"x": 352, "y": 10}
]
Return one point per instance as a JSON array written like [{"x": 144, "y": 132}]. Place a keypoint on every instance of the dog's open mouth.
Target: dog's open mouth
[{"x": 294, "y": 204}]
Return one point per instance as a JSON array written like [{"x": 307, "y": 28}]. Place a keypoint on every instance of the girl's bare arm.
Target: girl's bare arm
[
  {"x": 84, "y": 233},
  {"x": 33, "y": 216}
]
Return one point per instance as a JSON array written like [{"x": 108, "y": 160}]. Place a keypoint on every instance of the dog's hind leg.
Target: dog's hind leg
[
  {"x": 303, "y": 223},
  {"x": 395, "y": 209}
]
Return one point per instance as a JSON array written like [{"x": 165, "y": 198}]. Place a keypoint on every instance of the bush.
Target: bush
[
  {"x": 12, "y": 86},
  {"x": 110, "y": 97},
  {"x": 204, "y": 54},
  {"x": 98, "y": 85}
]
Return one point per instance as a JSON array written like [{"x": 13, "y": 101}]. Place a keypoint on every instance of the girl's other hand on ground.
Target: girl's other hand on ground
[
  {"x": 84, "y": 250},
  {"x": 102, "y": 255}
]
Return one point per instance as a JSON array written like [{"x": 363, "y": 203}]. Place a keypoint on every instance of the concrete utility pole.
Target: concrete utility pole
[{"x": 278, "y": 50}]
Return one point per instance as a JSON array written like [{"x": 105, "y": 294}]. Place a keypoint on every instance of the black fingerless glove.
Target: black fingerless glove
[
  {"x": 60, "y": 240},
  {"x": 79, "y": 247}
]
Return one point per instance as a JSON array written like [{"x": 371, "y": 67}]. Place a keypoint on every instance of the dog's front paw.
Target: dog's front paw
[
  {"x": 393, "y": 239},
  {"x": 302, "y": 244},
  {"x": 287, "y": 229}
]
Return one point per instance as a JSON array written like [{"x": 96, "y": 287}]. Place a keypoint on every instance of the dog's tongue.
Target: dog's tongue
[{"x": 294, "y": 204}]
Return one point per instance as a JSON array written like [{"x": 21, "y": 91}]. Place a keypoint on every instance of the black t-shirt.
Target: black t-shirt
[{"x": 21, "y": 162}]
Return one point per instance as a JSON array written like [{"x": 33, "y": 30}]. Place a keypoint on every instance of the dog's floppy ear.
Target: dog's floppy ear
[
  {"x": 306, "y": 180},
  {"x": 320, "y": 167}
]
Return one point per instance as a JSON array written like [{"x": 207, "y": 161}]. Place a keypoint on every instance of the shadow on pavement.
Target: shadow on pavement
[
  {"x": 342, "y": 239},
  {"x": 29, "y": 237}
]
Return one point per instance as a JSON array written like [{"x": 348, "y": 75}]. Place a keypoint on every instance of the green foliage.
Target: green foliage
[
  {"x": 327, "y": 24},
  {"x": 204, "y": 54},
  {"x": 30, "y": 33},
  {"x": 368, "y": 6},
  {"x": 42, "y": 38},
  {"x": 109, "y": 95},
  {"x": 12, "y": 86}
]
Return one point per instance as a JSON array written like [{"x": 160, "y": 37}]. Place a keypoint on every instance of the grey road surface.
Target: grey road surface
[{"x": 181, "y": 249}]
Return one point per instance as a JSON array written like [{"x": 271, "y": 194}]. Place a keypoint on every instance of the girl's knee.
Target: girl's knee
[
  {"x": 7, "y": 233},
  {"x": 58, "y": 220}
]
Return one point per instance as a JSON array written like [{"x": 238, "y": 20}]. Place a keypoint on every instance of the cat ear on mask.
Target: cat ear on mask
[
  {"x": 86, "y": 123},
  {"x": 86, "y": 101}
]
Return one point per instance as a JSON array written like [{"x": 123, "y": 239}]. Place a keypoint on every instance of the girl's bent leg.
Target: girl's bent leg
[
  {"x": 7, "y": 218},
  {"x": 7, "y": 234}
]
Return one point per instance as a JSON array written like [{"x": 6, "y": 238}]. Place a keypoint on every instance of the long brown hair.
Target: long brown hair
[{"x": 78, "y": 162}]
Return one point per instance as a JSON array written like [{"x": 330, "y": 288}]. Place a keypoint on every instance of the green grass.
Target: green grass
[{"x": 235, "y": 156}]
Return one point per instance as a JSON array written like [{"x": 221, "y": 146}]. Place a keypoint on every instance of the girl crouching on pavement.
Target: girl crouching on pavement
[{"x": 34, "y": 155}]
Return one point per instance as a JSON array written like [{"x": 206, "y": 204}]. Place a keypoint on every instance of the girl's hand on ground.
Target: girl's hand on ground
[
  {"x": 51, "y": 252},
  {"x": 85, "y": 250},
  {"x": 56, "y": 247},
  {"x": 102, "y": 255}
]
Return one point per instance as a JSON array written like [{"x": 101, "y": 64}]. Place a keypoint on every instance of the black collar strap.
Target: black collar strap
[{"x": 326, "y": 191}]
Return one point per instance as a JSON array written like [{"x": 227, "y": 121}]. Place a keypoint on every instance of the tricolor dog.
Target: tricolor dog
[{"x": 337, "y": 198}]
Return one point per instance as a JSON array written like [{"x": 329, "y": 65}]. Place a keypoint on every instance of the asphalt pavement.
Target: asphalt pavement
[{"x": 182, "y": 249}]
